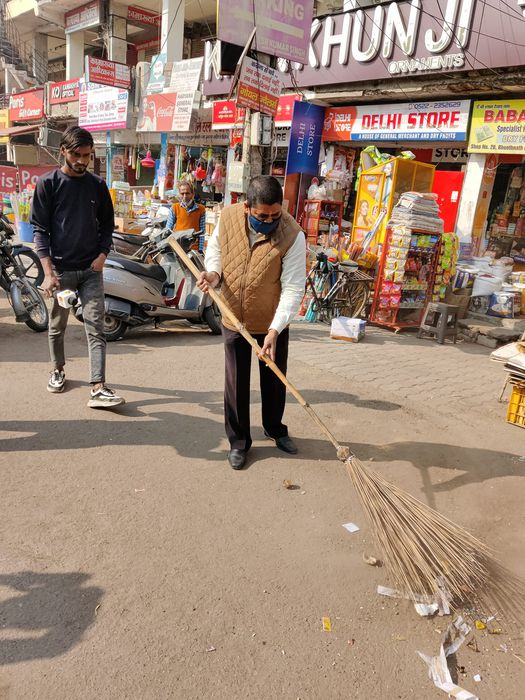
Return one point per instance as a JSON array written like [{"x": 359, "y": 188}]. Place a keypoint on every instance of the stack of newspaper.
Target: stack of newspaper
[{"x": 419, "y": 211}]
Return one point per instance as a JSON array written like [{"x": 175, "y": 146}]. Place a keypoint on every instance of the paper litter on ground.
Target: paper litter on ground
[
  {"x": 351, "y": 527},
  {"x": 438, "y": 669},
  {"x": 424, "y": 604}
]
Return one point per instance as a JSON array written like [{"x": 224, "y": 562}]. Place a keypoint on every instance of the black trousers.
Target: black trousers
[{"x": 238, "y": 356}]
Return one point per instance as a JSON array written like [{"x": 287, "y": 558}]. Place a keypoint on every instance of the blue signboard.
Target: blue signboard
[{"x": 303, "y": 153}]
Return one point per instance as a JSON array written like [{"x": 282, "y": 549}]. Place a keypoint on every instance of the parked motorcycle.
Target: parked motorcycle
[
  {"x": 27, "y": 302},
  {"x": 26, "y": 257},
  {"x": 138, "y": 293}
]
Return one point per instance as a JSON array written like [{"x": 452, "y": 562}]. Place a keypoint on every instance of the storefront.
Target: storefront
[
  {"x": 497, "y": 134},
  {"x": 359, "y": 137}
]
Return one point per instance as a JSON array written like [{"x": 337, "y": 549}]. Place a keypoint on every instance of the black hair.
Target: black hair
[
  {"x": 264, "y": 189},
  {"x": 74, "y": 137}
]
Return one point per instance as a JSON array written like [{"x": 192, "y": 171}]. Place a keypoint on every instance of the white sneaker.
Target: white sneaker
[
  {"x": 56, "y": 382},
  {"x": 104, "y": 398}
]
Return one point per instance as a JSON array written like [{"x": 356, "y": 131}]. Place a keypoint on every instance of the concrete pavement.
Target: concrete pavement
[{"x": 134, "y": 563}]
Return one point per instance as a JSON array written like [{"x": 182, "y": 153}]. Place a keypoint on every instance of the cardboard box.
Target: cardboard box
[
  {"x": 125, "y": 224},
  {"x": 344, "y": 328}
]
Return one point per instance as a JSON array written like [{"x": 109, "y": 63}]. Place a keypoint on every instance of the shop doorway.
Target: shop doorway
[{"x": 447, "y": 185}]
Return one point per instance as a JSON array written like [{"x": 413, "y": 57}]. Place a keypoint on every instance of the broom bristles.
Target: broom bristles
[{"x": 424, "y": 551}]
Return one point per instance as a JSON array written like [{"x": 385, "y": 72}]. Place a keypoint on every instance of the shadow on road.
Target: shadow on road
[
  {"x": 213, "y": 400},
  {"x": 20, "y": 344},
  {"x": 471, "y": 464},
  {"x": 46, "y": 617}
]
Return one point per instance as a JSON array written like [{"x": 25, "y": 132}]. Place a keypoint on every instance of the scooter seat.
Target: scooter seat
[
  {"x": 144, "y": 270},
  {"x": 132, "y": 238}
]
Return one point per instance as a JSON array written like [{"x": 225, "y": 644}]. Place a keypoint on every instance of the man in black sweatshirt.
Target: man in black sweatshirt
[{"x": 72, "y": 217}]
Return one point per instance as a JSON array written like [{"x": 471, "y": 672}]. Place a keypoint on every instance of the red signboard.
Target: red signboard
[
  {"x": 226, "y": 115},
  {"x": 285, "y": 109},
  {"x": 66, "y": 91},
  {"x": 141, "y": 16},
  {"x": 259, "y": 87},
  {"x": 7, "y": 178},
  {"x": 27, "y": 106},
  {"x": 109, "y": 73},
  {"x": 88, "y": 15},
  {"x": 236, "y": 136},
  {"x": 27, "y": 175},
  {"x": 157, "y": 111}
]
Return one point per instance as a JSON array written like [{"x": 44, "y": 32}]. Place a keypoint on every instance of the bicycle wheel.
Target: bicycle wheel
[
  {"x": 349, "y": 300},
  {"x": 357, "y": 295}
]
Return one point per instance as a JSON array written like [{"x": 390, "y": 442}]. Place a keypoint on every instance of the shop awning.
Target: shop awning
[{"x": 16, "y": 130}]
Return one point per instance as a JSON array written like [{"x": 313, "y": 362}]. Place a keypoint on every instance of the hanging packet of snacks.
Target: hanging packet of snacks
[{"x": 446, "y": 267}]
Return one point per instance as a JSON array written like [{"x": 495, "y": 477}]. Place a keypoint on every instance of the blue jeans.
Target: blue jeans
[{"x": 90, "y": 288}]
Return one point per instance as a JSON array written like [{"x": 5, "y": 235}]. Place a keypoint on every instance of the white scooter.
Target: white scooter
[{"x": 138, "y": 294}]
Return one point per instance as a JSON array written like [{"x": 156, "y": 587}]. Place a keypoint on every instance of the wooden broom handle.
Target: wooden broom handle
[{"x": 228, "y": 313}]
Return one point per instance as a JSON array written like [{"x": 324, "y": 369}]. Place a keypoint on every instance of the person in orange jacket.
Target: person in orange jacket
[{"x": 187, "y": 213}]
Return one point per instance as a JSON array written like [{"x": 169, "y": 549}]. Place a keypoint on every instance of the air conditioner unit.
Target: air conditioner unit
[{"x": 50, "y": 138}]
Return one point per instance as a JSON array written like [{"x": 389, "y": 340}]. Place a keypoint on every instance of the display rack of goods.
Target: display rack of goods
[
  {"x": 322, "y": 222},
  {"x": 406, "y": 277}
]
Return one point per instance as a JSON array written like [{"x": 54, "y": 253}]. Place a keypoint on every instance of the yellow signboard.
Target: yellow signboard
[
  {"x": 4, "y": 124},
  {"x": 497, "y": 126}
]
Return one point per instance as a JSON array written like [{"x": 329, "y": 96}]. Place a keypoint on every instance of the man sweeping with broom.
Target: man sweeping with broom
[
  {"x": 257, "y": 252},
  {"x": 425, "y": 553}
]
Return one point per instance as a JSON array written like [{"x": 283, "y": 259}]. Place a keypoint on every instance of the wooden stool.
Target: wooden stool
[{"x": 441, "y": 321}]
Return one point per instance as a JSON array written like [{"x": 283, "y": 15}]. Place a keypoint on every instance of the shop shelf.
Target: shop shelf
[{"x": 516, "y": 410}]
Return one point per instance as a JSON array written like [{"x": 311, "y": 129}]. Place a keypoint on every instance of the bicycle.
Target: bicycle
[{"x": 335, "y": 289}]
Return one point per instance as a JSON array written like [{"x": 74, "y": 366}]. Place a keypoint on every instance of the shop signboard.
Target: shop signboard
[
  {"x": 283, "y": 26},
  {"x": 226, "y": 115},
  {"x": 156, "y": 112},
  {"x": 139, "y": 15},
  {"x": 397, "y": 40},
  {"x": 103, "y": 108},
  {"x": 4, "y": 124},
  {"x": 29, "y": 174},
  {"x": 285, "y": 109},
  {"x": 411, "y": 121},
  {"x": 202, "y": 134},
  {"x": 103, "y": 72},
  {"x": 497, "y": 126},
  {"x": 8, "y": 176},
  {"x": 64, "y": 92},
  {"x": 157, "y": 78},
  {"x": 26, "y": 106},
  {"x": 25, "y": 174},
  {"x": 259, "y": 87},
  {"x": 449, "y": 155},
  {"x": 185, "y": 79},
  {"x": 88, "y": 15},
  {"x": 282, "y": 137},
  {"x": 303, "y": 154}
]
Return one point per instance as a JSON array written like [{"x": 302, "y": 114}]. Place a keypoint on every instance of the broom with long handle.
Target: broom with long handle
[{"x": 424, "y": 552}]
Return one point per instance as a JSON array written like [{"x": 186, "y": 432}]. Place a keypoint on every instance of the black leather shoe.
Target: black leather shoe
[
  {"x": 285, "y": 443},
  {"x": 237, "y": 458}
]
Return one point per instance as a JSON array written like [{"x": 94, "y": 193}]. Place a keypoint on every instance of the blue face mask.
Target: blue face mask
[
  {"x": 186, "y": 205},
  {"x": 264, "y": 227}
]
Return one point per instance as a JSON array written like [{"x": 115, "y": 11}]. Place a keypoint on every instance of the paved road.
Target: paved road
[{"x": 136, "y": 564}]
